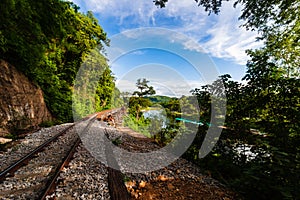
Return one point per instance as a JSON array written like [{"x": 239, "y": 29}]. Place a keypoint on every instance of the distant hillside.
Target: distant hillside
[{"x": 160, "y": 99}]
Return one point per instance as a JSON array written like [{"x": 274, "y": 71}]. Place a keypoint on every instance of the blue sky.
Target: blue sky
[{"x": 177, "y": 48}]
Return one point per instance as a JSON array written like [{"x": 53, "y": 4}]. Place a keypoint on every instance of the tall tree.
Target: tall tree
[
  {"x": 48, "y": 40},
  {"x": 137, "y": 103},
  {"x": 144, "y": 88}
]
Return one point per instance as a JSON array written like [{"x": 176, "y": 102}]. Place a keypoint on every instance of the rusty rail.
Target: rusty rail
[
  {"x": 52, "y": 182},
  {"x": 21, "y": 162},
  {"x": 117, "y": 188},
  {"x": 24, "y": 160}
]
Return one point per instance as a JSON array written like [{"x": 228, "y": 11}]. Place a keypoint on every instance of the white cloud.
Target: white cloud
[
  {"x": 226, "y": 39},
  {"x": 141, "y": 11},
  {"x": 126, "y": 85},
  {"x": 138, "y": 52},
  {"x": 192, "y": 45}
]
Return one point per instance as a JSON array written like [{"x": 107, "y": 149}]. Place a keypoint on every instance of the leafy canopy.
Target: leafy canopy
[
  {"x": 48, "y": 40},
  {"x": 269, "y": 102}
]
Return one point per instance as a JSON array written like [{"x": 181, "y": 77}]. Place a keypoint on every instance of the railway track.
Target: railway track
[
  {"x": 67, "y": 169},
  {"x": 28, "y": 177},
  {"x": 68, "y": 157},
  {"x": 94, "y": 179},
  {"x": 22, "y": 161},
  {"x": 34, "y": 175}
]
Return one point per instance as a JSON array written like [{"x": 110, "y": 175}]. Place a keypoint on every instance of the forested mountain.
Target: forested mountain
[{"x": 48, "y": 41}]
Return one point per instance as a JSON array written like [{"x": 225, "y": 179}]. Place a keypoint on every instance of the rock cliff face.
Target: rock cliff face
[{"x": 21, "y": 102}]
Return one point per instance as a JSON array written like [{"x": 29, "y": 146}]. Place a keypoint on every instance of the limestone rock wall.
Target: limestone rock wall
[{"x": 21, "y": 102}]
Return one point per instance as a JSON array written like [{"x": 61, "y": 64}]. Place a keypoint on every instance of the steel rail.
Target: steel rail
[
  {"x": 16, "y": 165},
  {"x": 52, "y": 182},
  {"x": 22, "y": 161}
]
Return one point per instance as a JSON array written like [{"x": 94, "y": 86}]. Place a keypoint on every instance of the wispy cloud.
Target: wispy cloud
[
  {"x": 126, "y": 85},
  {"x": 140, "y": 12},
  {"x": 138, "y": 52},
  {"x": 192, "y": 45},
  {"x": 226, "y": 39}
]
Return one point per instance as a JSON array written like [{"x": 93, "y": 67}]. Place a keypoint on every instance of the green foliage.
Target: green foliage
[
  {"x": 270, "y": 103},
  {"x": 159, "y": 99},
  {"x": 48, "y": 41},
  {"x": 126, "y": 178},
  {"x": 165, "y": 135},
  {"x": 173, "y": 109},
  {"x": 144, "y": 88},
  {"x": 49, "y": 123},
  {"x": 135, "y": 119},
  {"x": 155, "y": 125},
  {"x": 117, "y": 141},
  {"x": 94, "y": 86},
  {"x": 117, "y": 101},
  {"x": 136, "y": 104},
  {"x": 140, "y": 125},
  {"x": 12, "y": 136},
  {"x": 104, "y": 91}
]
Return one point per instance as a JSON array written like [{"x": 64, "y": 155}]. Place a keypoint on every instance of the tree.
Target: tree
[
  {"x": 139, "y": 102},
  {"x": 144, "y": 88},
  {"x": 95, "y": 89},
  {"x": 269, "y": 102},
  {"x": 48, "y": 41}
]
